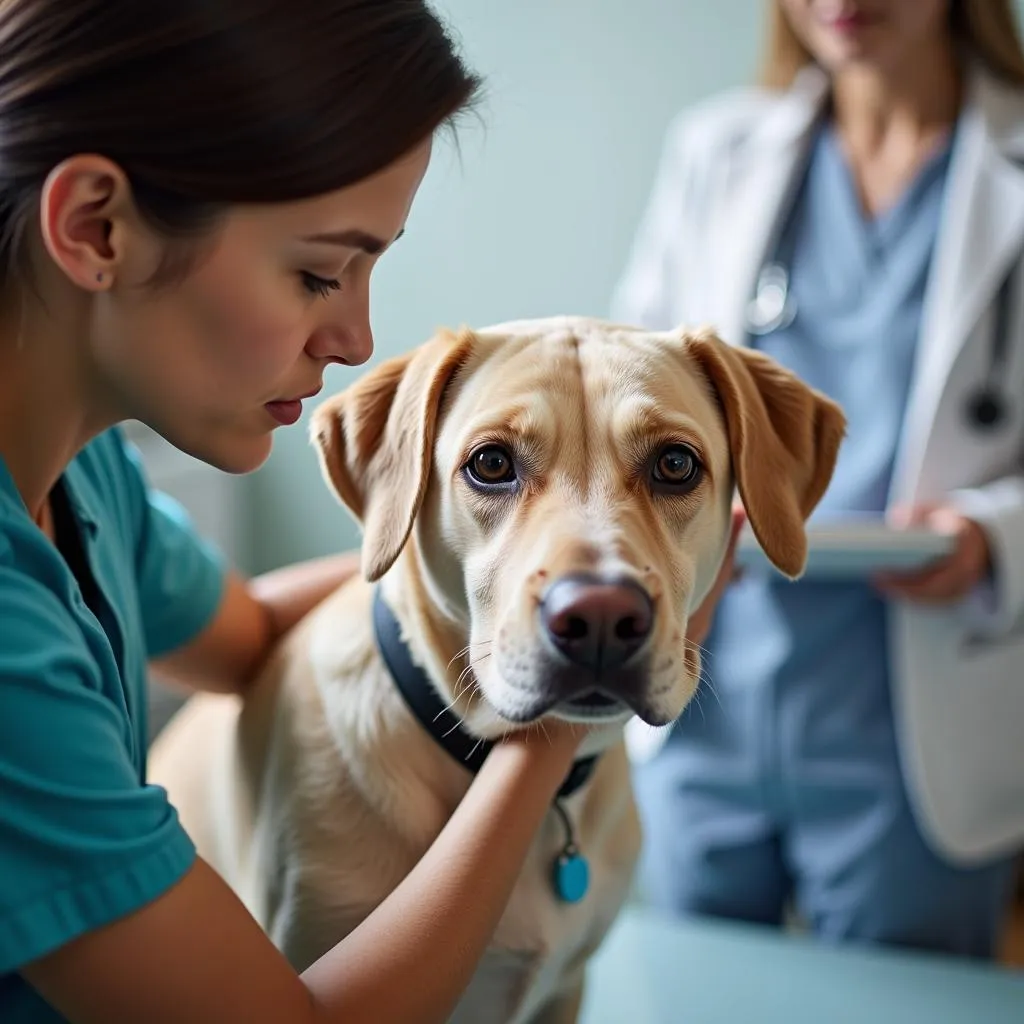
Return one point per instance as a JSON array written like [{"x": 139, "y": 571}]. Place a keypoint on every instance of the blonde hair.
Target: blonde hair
[{"x": 986, "y": 29}]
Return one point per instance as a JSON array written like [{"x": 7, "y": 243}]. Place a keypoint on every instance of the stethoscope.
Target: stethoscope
[{"x": 773, "y": 308}]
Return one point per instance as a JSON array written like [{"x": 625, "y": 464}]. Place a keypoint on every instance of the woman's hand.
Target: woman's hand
[
  {"x": 700, "y": 621},
  {"x": 951, "y": 578}
]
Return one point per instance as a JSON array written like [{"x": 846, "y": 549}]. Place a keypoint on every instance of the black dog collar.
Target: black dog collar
[{"x": 431, "y": 712}]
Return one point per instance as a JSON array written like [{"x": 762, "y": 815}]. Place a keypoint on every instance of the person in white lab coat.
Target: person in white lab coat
[{"x": 859, "y": 750}]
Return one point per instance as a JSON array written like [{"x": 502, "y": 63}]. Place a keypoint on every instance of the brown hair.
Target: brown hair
[
  {"x": 205, "y": 104},
  {"x": 986, "y": 29}
]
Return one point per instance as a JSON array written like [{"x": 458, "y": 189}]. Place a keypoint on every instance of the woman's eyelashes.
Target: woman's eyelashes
[{"x": 321, "y": 287}]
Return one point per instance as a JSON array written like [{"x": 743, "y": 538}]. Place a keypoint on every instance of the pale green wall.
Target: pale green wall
[{"x": 536, "y": 214}]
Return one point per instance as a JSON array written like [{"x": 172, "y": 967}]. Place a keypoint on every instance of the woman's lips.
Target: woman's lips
[
  {"x": 288, "y": 410},
  {"x": 286, "y": 413},
  {"x": 851, "y": 21}
]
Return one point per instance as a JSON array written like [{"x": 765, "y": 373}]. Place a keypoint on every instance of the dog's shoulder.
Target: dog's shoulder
[{"x": 336, "y": 637}]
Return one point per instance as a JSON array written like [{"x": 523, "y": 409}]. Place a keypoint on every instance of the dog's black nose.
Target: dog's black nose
[{"x": 597, "y": 623}]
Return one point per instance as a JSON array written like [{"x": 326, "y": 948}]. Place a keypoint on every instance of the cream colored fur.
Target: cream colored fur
[{"x": 318, "y": 795}]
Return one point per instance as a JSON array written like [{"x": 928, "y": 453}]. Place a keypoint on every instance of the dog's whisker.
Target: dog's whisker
[
  {"x": 469, "y": 690},
  {"x": 449, "y": 707},
  {"x": 465, "y": 680},
  {"x": 455, "y": 658},
  {"x": 463, "y": 676},
  {"x": 704, "y": 680},
  {"x": 699, "y": 648},
  {"x": 467, "y": 651},
  {"x": 468, "y": 674},
  {"x": 478, "y": 662},
  {"x": 704, "y": 677},
  {"x": 453, "y": 728},
  {"x": 700, "y": 706},
  {"x": 706, "y": 685}
]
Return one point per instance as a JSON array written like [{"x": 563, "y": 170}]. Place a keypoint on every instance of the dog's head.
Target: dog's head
[{"x": 566, "y": 486}]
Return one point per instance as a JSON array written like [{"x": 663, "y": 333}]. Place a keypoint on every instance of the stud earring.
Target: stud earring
[{"x": 99, "y": 277}]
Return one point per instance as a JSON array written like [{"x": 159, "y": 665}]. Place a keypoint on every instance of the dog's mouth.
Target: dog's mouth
[
  {"x": 594, "y": 699},
  {"x": 593, "y": 706}
]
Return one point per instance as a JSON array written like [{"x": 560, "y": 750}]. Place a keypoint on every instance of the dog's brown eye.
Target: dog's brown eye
[
  {"x": 491, "y": 465},
  {"x": 677, "y": 465}
]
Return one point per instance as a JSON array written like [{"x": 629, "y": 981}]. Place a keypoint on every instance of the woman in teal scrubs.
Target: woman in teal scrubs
[{"x": 192, "y": 199}]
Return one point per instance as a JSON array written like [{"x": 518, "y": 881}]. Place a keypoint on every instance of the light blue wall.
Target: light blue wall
[{"x": 536, "y": 214}]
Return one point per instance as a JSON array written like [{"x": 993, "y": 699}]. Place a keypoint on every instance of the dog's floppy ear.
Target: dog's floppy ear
[
  {"x": 375, "y": 443},
  {"x": 784, "y": 438}
]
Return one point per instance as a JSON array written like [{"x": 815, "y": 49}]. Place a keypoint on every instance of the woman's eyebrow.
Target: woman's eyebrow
[{"x": 354, "y": 238}]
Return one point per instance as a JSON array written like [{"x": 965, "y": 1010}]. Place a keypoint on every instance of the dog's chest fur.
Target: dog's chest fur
[{"x": 354, "y": 793}]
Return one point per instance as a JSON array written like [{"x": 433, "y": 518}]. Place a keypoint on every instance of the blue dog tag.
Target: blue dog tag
[{"x": 572, "y": 875}]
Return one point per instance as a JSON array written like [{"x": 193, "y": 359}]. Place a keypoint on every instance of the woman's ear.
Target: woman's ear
[{"x": 85, "y": 211}]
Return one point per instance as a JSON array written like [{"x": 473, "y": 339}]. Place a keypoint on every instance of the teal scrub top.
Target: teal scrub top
[{"x": 83, "y": 839}]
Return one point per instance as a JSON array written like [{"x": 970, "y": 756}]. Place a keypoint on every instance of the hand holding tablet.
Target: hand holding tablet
[{"x": 857, "y": 546}]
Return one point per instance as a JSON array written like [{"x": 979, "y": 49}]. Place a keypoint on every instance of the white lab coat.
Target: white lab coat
[{"x": 958, "y": 673}]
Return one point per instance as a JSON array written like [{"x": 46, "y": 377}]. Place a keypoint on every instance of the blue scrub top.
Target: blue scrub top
[
  {"x": 83, "y": 839},
  {"x": 859, "y": 285}
]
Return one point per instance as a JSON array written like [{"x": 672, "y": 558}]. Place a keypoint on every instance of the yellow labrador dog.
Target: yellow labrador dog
[{"x": 543, "y": 503}]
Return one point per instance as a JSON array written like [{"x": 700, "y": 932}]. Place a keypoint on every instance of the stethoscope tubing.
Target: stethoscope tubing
[{"x": 773, "y": 308}]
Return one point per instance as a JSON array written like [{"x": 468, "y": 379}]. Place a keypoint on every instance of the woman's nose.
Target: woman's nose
[{"x": 351, "y": 344}]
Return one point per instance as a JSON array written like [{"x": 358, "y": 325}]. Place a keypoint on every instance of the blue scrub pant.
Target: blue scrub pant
[{"x": 762, "y": 797}]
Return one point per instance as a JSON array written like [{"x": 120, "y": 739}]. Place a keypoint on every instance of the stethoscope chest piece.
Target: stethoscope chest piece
[{"x": 772, "y": 308}]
